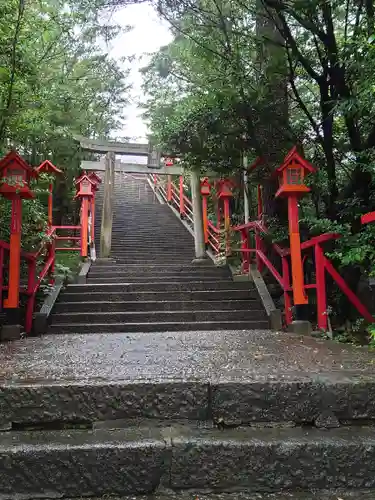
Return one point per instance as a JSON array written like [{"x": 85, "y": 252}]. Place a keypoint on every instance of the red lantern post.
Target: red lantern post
[
  {"x": 15, "y": 176},
  {"x": 49, "y": 168},
  {"x": 205, "y": 192},
  {"x": 225, "y": 194},
  {"x": 291, "y": 178},
  {"x": 85, "y": 191}
]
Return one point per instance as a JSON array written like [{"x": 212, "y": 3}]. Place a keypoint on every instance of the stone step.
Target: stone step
[
  {"x": 158, "y": 240},
  {"x": 151, "y": 233},
  {"x": 161, "y": 269},
  {"x": 142, "y": 224},
  {"x": 234, "y": 403},
  {"x": 144, "y": 256},
  {"x": 168, "y": 305},
  {"x": 136, "y": 460},
  {"x": 178, "y": 326},
  {"x": 159, "y": 287},
  {"x": 200, "y": 494},
  {"x": 232, "y": 377},
  {"x": 159, "y": 316},
  {"x": 102, "y": 267},
  {"x": 159, "y": 272},
  {"x": 152, "y": 259},
  {"x": 124, "y": 227},
  {"x": 143, "y": 248},
  {"x": 166, "y": 242},
  {"x": 161, "y": 296},
  {"x": 169, "y": 278}
]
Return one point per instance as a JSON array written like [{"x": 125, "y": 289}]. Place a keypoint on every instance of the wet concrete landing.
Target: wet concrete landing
[
  {"x": 234, "y": 355},
  {"x": 197, "y": 495},
  {"x": 204, "y": 356}
]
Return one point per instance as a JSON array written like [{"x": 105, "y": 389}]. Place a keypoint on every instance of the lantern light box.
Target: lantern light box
[
  {"x": 85, "y": 186},
  {"x": 292, "y": 175},
  {"x": 15, "y": 176},
  {"x": 205, "y": 187},
  {"x": 225, "y": 188},
  {"x": 169, "y": 162}
]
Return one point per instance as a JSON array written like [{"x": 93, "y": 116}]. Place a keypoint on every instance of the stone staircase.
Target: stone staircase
[
  {"x": 130, "y": 412},
  {"x": 150, "y": 283}
]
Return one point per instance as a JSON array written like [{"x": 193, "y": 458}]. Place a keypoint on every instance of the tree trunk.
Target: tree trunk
[{"x": 274, "y": 135}]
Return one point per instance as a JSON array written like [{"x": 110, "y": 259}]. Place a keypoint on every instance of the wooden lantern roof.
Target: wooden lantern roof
[
  {"x": 95, "y": 177},
  {"x": 48, "y": 167}
]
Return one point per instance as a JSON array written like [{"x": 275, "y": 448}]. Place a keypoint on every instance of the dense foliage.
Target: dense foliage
[
  {"x": 256, "y": 76},
  {"x": 56, "y": 82}
]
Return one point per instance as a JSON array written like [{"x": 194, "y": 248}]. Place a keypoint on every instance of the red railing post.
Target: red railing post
[
  {"x": 32, "y": 265},
  {"x": 245, "y": 255},
  {"x": 50, "y": 202},
  {"x": 169, "y": 188},
  {"x": 1, "y": 276},
  {"x": 31, "y": 271},
  {"x": 52, "y": 255},
  {"x": 181, "y": 194},
  {"x": 259, "y": 202},
  {"x": 287, "y": 300},
  {"x": 321, "y": 294},
  {"x": 205, "y": 218},
  {"x": 93, "y": 218},
  {"x": 259, "y": 248}
]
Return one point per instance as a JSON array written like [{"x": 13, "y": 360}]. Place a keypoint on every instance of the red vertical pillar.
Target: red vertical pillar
[
  {"x": 15, "y": 255},
  {"x": 218, "y": 214},
  {"x": 205, "y": 218},
  {"x": 287, "y": 301},
  {"x": 259, "y": 247},
  {"x": 169, "y": 188},
  {"x": 50, "y": 201},
  {"x": 84, "y": 226},
  {"x": 227, "y": 224},
  {"x": 245, "y": 255},
  {"x": 321, "y": 297},
  {"x": 260, "y": 201},
  {"x": 299, "y": 295},
  {"x": 93, "y": 218},
  {"x": 1, "y": 276},
  {"x": 182, "y": 200}
]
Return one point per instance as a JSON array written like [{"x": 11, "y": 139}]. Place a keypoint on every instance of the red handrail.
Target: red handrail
[
  {"x": 68, "y": 238},
  {"x": 176, "y": 196},
  {"x": 33, "y": 281},
  {"x": 322, "y": 265}
]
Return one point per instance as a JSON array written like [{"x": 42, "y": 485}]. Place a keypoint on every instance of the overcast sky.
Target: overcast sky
[{"x": 149, "y": 33}]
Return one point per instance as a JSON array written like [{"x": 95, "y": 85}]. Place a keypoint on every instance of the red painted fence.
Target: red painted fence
[
  {"x": 322, "y": 265},
  {"x": 40, "y": 264},
  {"x": 313, "y": 248}
]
